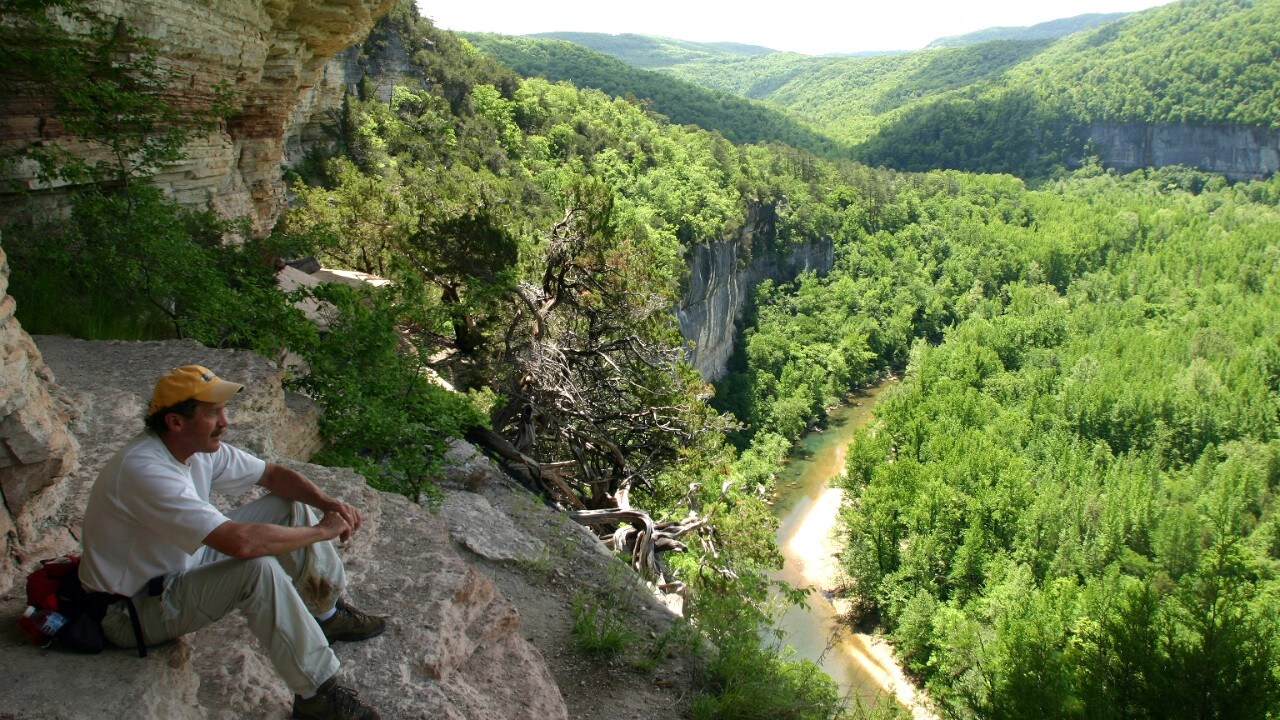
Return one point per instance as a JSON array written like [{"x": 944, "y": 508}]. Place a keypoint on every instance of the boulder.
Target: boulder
[{"x": 37, "y": 454}]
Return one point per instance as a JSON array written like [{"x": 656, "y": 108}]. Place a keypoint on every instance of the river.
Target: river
[{"x": 806, "y": 507}]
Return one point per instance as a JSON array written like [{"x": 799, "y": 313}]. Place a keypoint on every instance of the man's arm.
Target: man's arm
[
  {"x": 250, "y": 540},
  {"x": 292, "y": 485}
]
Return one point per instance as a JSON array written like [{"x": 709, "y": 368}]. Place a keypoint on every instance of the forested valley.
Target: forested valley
[{"x": 1064, "y": 509}]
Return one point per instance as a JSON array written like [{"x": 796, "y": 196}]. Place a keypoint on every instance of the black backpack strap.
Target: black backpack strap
[
  {"x": 137, "y": 626},
  {"x": 155, "y": 586}
]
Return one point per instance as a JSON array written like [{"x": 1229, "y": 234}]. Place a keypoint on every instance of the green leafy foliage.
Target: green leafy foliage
[
  {"x": 132, "y": 264},
  {"x": 1196, "y": 61},
  {"x": 596, "y": 629},
  {"x": 754, "y": 684},
  {"x": 915, "y": 253},
  {"x": 1064, "y": 508},
  {"x": 600, "y": 626},
  {"x": 385, "y": 415},
  {"x": 745, "y": 677}
]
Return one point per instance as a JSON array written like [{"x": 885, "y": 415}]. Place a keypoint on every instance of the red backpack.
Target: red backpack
[{"x": 55, "y": 587}]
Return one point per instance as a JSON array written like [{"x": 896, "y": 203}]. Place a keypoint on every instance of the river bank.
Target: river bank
[{"x": 861, "y": 664}]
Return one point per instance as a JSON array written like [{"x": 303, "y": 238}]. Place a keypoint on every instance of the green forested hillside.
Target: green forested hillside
[
  {"x": 646, "y": 51},
  {"x": 1196, "y": 61},
  {"x": 852, "y": 98},
  {"x": 1066, "y": 508},
  {"x": 737, "y": 119},
  {"x": 1193, "y": 61}
]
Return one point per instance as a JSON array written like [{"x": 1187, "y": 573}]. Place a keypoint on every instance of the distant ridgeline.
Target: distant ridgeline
[
  {"x": 1194, "y": 82},
  {"x": 644, "y": 51},
  {"x": 739, "y": 120},
  {"x": 1050, "y": 30}
]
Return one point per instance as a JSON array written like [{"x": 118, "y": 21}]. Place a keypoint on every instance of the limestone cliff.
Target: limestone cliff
[
  {"x": 1239, "y": 152},
  {"x": 722, "y": 274},
  {"x": 271, "y": 53}
]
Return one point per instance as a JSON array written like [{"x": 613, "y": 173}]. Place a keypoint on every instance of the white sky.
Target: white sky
[{"x": 807, "y": 26}]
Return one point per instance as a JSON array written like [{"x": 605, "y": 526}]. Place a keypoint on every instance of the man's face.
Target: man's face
[{"x": 202, "y": 432}]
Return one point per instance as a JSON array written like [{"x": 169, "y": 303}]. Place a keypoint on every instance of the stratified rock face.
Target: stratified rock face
[
  {"x": 1236, "y": 151},
  {"x": 271, "y": 53},
  {"x": 721, "y": 279},
  {"x": 386, "y": 65},
  {"x": 36, "y": 451}
]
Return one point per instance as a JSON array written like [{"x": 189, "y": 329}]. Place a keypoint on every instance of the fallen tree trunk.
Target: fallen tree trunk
[
  {"x": 644, "y": 558},
  {"x": 634, "y": 534},
  {"x": 528, "y": 471},
  {"x": 642, "y": 538}
]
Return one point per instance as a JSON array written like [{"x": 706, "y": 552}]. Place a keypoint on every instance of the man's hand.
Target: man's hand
[
  {"x": 250, "y": 540},
  {"x": 335, "y": 525},
  {"x": 350, "y": 515},
  {"x": 292, "y": 485}
]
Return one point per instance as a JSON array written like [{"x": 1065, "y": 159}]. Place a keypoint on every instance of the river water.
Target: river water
[{"x": 806, "y": 507}]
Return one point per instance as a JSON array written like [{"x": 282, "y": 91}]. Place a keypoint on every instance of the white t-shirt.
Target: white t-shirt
[{"x": 148, "y": 513}]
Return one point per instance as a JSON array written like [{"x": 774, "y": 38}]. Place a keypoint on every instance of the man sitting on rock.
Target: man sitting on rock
[{"x": 151, "y": 534}]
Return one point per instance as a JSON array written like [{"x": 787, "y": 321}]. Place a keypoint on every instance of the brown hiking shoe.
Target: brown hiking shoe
[
  {"x": 350, "y": 625},
  {"x": 332, "y": 702}
]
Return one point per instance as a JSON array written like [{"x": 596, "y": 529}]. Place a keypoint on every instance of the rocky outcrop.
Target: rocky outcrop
[
  {"x": 1237, "y": 151},
  {"x": 342, "y": 74},
  {"x": 454, "y": 647},
  {"x": 37, "y": 454},
  {"x": 722, "y": 275},
  {"x": 272, "y": 55}
]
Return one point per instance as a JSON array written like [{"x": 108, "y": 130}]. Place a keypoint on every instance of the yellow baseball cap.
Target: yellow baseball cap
[{"x": 190, "y": 382}]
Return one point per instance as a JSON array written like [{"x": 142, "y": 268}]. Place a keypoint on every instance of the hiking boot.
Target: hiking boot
[
  {"x": 349, "y": 624},
  {"x": 332, "y": 702}
]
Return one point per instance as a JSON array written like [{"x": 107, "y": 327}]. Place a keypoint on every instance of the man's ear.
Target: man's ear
[{"x": 173, "y": 421}]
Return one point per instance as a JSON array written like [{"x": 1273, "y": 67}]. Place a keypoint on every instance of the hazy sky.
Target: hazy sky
[{"x": 808, "y": 26}]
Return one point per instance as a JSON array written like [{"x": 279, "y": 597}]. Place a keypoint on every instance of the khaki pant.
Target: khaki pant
[{"x": 278, "y": 596}]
